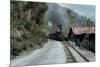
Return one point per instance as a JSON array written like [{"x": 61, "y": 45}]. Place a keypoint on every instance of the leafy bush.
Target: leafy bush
[{"x": 85, "y": 42}]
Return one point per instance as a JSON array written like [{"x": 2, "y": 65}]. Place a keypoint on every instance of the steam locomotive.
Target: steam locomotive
[{"x": 56, "y": 36}]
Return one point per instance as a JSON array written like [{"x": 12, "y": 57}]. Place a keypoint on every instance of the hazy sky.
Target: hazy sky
[{"x": 84, "y": 10}]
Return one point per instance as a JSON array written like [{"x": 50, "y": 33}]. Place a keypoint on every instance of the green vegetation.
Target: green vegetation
[
  {"x": 28, "y": 26},
  {"x": 66, "y": 31},
  {"x": 77, "y": 20},
  {"x": 85, "y": 42}
]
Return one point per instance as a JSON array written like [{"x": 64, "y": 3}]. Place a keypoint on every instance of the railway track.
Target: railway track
[
  {"x": 69, "y": 57},
  {"x": 73, "y": 55}
]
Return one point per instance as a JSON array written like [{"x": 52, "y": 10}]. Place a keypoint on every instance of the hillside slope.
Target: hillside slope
[{"x": 28, "y": 26}]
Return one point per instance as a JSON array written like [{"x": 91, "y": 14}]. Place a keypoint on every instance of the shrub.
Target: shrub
[{"x": 85, "y": 42}]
